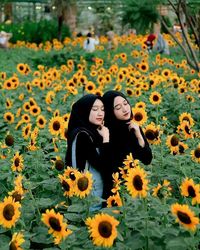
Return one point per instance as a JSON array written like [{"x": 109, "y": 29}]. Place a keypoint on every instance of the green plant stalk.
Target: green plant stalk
[{"x": 146, "y": 225}]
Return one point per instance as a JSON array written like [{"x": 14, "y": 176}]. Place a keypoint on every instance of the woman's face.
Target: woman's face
[
  {"x": 122, "y": 109},
  {"x": 97, "y": 113}
]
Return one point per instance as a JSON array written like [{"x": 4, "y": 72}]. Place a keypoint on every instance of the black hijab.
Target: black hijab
[
  {"x": 119, "y": 131},
  {"x": 79, "y": 121}
]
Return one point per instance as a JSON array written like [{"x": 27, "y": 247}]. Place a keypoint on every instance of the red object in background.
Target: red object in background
[{"x": 149, "y": 41}]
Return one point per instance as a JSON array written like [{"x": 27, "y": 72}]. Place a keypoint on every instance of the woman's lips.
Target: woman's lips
[{"x": 126, "y": 114}]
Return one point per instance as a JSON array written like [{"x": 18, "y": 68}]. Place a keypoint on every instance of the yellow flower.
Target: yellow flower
[
  {"x": 16, "y": 241},
  {"x": 84, "y": 184},
  {"x": 136, "y": 182},
  {"x": 196, "y": 154},
  {"x": 185, "y": 216},
  {"x": 57, "y": 227},
  {"x": 9, "y": 212},
  {"x": 189, "y": 189},
  {"x": 17, "y": 162},
  {"x": 102, "y": 229},
  {"x": 155, "y": 98}
]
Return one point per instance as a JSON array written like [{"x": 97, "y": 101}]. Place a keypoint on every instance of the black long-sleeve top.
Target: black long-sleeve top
[{"x": 87, "y": 151}]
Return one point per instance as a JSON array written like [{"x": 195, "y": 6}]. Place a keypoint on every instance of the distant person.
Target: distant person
[
  {"x": 4, "y": 39},
  {"x": 90, "y": 43},
  {"x": 112, "y": 40},
  {"x": 149, "y": 42},
  {"x": 161, "y": 45}
]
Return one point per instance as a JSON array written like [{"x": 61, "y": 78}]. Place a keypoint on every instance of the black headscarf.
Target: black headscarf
[
  {"x": 79, "y": 121},
  {"x": 119, "y": 131}
]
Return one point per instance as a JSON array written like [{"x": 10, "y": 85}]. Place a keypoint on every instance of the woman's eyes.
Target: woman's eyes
[{"x": 96, "y": 109}]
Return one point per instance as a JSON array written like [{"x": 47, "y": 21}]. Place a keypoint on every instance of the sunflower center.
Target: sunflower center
[
  {"x": 138, "y": 116},
  {"x": 12, "y": 246},
  {"x": 181, "y": 149},
  {"x": 66, "y": 186},
  {"x": 137, "y": 182},
  {"x": 183, "y": 217},
  {"x": 35, "y": 110},
  {"x": 191, "y": 192},
  {"x": 59, "y": 165},
  {"x": 8, "y": 212},
  {"x": 41, "y": 122},
  {"x": 16, "y": 196},
  {"x": 17, "y": 161},
  {"x": 55, "y": 224},
  {"x": 114, "y": 203},
  {"x": 105, "y": 229},
  {"x": 155, "y": 98},
  {"x": 197, "y": 153},
  {"x": 150, "y": 134},
  {"x": 9, "y": 140},
  {"x": 72, "y": 176},
  {"x": 56, "y": 125},
  {"x": 187, "y": 129},
  {"x": 174, "y": 140},
  {"x": 9, "y": 118},
  {"x": 83, "y": 183}
]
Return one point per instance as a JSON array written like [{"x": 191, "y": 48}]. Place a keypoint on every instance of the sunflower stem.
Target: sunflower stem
[{"x": 146, "y": 225}]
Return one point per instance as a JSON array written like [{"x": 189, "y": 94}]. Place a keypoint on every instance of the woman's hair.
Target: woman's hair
[{"x": 89, "y": 35}]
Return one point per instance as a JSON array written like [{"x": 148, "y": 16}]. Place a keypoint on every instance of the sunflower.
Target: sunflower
[
  {"x": 9, "y": 140},
  {"x": 17, "y": 162},
  {"x": 26, "y": 106},
  {"x": 21, "y": 68},
  {"x": 118, "y": 87},
  {"x": 41, "y": 121},
  {"x": 162, "y": 191},
  {"x": 189, "y": 189},
  {"x": 9, "y": 212},
  {"x": 67, "y": 185},
  {"x": 196, "y": 154},
  {"x": 55, "y": 125},
  {"x": 35, "y": 110},
  {"x": 144, "y": 67},
  {"x": 141, "y": 105},
  {"x": 185, "y": 216},
  {"x": 116, "y": 183},
  {"x": 185, "y": 129},
  {"x": 182, "y": 147},
  {"x": 173, "y": 143},
  {"x": 129, "y": 162},
  {"x": 102, "y": 229},
  {"x": 26, "y": 118},
  {"x": 114, "y": 201},
  {"x": 9, "y": 117},
  {"x": 9, "y": 103},
  {"x": 84, "y": 184},
  {"x": 139, "y": 116},
  {"x": 152, "y": 133},
  {"x": 16, "y": 241},
  {"x": 57, "y": 227},
  {"x": 26, "y": 131},
  {"x": 186, "y": 117},
  {"x": 59, "y": 164},
  {"x": 90, "y": 87},
  {"x": 66, "y": 117},
  {"x": 155, "y": 98},
  {"x": 136, "y": 182},
  {"x": 129, "y": 92},
  {"x": 71, "y": 173}
]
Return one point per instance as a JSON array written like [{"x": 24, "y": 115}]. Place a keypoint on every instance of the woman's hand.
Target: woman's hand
[
  {"x": 104, "y": 132},
  {"x": 135, "y": 127}
]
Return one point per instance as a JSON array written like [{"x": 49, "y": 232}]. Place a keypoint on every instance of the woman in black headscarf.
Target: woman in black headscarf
[
  {"x": 88, "y": 139},
  {"x": 125, "y": 136}
]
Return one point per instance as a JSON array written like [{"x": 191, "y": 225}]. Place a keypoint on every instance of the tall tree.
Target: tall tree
[{"x": 66, "y": 14}]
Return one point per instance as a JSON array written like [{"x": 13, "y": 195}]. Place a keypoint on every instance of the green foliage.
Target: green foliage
[
  {"x": 140, "y": 14},
  {"x": 34, "y": 32}
]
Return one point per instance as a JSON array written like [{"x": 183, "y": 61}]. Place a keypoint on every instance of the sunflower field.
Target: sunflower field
[{"x": 47, "y": 205}]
